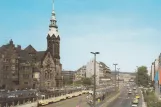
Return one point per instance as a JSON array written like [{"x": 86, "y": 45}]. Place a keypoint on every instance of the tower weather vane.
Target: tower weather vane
[{"x": 53, "y": 4}]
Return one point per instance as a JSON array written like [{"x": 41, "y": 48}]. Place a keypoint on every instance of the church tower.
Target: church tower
[
  {"x": 53, "y": 46},
  {"x": 53, "y": 38}
]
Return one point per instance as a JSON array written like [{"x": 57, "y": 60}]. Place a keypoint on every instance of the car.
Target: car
[
  {"x": 135, "y": 101},
  {"x": 134, "y": 105},
  {"x": 130, "y": 92},
  {"x": 134, "y": 88},
  {"x": 136, "y": 91},
  {"x": 137, "y": 96}
]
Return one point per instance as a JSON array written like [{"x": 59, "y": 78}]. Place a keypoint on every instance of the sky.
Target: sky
[{"x": 127, "y": 32}]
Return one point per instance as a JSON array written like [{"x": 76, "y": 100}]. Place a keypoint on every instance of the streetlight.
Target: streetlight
[
  {"x": 115, "y": 75},
  {"x": 94, "y": 88},
  {"x": 118, "y": 76},
  {"x": 18, "y": 69},
  {"x": 137, "y": 75},
  {"x": 63, "y": 81}
]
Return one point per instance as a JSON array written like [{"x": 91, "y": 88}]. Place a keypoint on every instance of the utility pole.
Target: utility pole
[
  {"x": 118, "y": 77},
  {"x": 137, "y": 75},
  {"x": 94, "y": 86},
  {"x": 18, "y": 68},
  {"x": 115, "y": 75}
]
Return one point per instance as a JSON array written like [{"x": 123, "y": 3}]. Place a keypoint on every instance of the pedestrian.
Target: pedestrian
[
  {"x": 103, "y": 96},
  {"x": 87, "y": 97},
  {"x": 77, "y": 106}
]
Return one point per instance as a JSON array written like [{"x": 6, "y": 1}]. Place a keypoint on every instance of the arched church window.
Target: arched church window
[
  {"x": 53, "y": 22},
  {"x": 51, "y": 74},
  {"x": 46, "y": 74},
  {"x": 58, "y": 48},
  {"x": 49, "y": 55}
]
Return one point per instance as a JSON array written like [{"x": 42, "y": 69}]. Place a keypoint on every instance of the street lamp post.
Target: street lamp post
[
  {"x": 94, "y": 88},
  {"x": 115, "y": 75},
  {"x": 18, "y": 68},
  {"x": 118, "y": 76},
  {"x": 137, "y": 75},
  {"x": 62, "y": 81}
]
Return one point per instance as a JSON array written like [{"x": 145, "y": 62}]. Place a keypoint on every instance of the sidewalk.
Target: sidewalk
[
  {"x": 110, "y": 99},
  {"x": 107, "y": 98}
]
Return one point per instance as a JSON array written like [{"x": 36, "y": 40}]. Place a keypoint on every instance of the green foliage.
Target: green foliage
[
  {"x": 78, "y": 82},
  {"x": 151, "y": 99},
  {"x": 142, "y": 77},
  {"x": 67, "y": 81},
  {"x": 86, "y": 81},
  {"x": 83, "y": 81}
]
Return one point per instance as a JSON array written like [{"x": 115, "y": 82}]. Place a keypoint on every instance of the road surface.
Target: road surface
[
  {"x": 73, "y": 102},
  {"x": 124, "y": 100}
]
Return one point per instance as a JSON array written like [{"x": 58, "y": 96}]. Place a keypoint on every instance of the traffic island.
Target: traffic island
[{"x": 108, "y": 99}]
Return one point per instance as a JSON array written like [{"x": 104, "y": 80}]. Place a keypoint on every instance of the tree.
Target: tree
[
  {"x": 78, "y": 82},
  {"x": 86, "y": 81},
  {"x": 142, "y": 77}
]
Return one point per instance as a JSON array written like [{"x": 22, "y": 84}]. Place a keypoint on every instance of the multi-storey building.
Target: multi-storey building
[
  {"x": 155, "y": 75},
  {"x": 152, "y": 72},
  {"x": 90, "y": 70},
  {"x": 102, "y": 71},
  {"x": 29, "y": 68},
  {"x": 80, "y": 73}
]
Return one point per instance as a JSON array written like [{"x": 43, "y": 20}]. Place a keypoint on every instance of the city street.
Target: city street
[
  {"x": 73, "y": 102},
  {"x": 124, "y": 100}
]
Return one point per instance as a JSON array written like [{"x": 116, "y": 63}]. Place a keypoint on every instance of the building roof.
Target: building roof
[
  {"x": 39, "y": 55},
  {"x": 68, "y": 72},
  {"x": 24, "y": 54},
  {"x": 30, "y": 49}
]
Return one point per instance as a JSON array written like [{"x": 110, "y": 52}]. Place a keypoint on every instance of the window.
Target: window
[
  {"x": 30, "y": 54},
  {"x": 48, "y": 55},
  {"x": 7, "y": 60},
  {"x": 51, "y": 74},
  {"x": 7, "y": 68},
  {"x": 16, "y": 60},
  {"x": 4, "y": 67},
  {"x": 13, "y": 71},
  {"x": 23, "y": 68},
  {"x": 25, "y": 76},
  {"x": 4, "y": 60},
  {"x": 46, "y": 74},
  {"x": 15, "y": 82},
  {"x": 25, "y": 82},
  {"x": 13, "y": 60},
  {"x": 16, "y": 67},
  {"x": 13, "y": 67}
]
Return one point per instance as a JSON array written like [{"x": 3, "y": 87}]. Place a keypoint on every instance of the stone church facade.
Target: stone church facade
[{"x": 29, "y": 68}]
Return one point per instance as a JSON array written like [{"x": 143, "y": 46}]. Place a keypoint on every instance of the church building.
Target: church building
[{"x": 28, "y": 68}]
